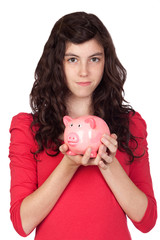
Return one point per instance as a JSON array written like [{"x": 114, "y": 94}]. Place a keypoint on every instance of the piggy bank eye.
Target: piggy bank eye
[
  {"x": 71, "y": 125},
  {"x": 79, "y": 125}
]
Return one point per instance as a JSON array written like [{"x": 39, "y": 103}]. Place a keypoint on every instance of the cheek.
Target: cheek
[
  {"x": 68, "y": 75},
  {"x": 99, "y": 72}
]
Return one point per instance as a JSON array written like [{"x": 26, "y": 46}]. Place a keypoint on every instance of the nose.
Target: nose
[
  {"x": 83, "y": 72},
  {"x": 73, "y": 138}
]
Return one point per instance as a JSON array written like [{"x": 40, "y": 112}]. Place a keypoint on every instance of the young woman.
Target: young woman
[{"x": 78, "y": 197}]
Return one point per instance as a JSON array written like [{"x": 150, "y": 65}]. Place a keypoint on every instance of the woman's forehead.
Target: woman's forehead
[{"x": 88, "y": 48}]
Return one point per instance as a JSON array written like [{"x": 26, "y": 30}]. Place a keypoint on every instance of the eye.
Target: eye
[
  {"x": 95, "y": 59},
  {"x": 71, "y": 125},
  {"x": 79, "y": 125},
  {"x": 72, "y": 60}
]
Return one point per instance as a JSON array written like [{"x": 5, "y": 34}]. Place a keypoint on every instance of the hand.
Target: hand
[
  {"x": 78, "y": 160},
  {"x": 107, "y": 150}
]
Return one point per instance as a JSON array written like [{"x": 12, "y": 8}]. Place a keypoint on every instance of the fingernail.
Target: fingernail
[
  {"x": 105, "y": 135},
  {"x": 89, "y": 149}
]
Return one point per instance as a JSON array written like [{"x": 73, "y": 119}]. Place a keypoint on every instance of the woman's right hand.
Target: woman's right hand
[{"x": 79, "y": 160}]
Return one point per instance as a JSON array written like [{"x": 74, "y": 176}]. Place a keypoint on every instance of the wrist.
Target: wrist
[
  {"x": 107, "y": 167},
  {"x": 70, "y": 164}
]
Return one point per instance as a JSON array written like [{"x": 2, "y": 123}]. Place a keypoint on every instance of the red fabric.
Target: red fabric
[{"x": 87, "y": 209}]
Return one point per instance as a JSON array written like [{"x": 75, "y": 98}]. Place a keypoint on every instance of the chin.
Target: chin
[{"x": 83, "y": 95}]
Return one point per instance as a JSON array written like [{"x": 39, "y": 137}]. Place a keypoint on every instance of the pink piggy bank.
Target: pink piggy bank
[{"x": 84, "y": 132}]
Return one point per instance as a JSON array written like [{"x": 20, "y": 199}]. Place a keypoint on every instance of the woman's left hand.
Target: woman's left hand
[{"x": 107, "y": 150}]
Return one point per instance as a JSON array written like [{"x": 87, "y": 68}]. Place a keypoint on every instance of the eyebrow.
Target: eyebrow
[{"x": 74, "y": 55}]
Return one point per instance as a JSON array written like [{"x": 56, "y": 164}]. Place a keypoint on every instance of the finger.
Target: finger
[
  {"x": 97, "y": 160},
  {"x": 86, "y": 156},
  {"x": 112, "y": 148},
  {"x": 114, "y": 136},
  {"x": 110, "y": 143},
  {"x": 104, "y": 154},
  {"x": 105, "y": 157},
  {"x": 102, "y": 165},
  {"x": 102, "y": 149},
  {"x": 111, "y": 138}
]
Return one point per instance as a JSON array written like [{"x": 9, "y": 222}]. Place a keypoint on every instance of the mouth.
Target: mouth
[
  {"x": 70, "y": 143},
  {"x": 83, "y": 84}
]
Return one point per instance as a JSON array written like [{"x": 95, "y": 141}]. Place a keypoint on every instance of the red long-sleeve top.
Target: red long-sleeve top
[{"x": 87, "y": 209}]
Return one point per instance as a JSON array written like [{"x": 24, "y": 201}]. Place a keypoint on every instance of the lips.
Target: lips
[{"x": 84, "y": 83}]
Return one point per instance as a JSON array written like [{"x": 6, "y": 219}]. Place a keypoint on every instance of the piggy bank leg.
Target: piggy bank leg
[
  {"x": 93, "y": 154},
  {"x": 69, "y": 152}
]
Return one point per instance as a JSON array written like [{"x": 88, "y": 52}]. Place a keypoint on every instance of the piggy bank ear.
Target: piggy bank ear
[
  {"x": 66, "y": 120},
  {"x": 91, "y": 121}
]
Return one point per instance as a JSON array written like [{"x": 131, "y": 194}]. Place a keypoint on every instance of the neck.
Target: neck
[{"x": 78, "y": 107}]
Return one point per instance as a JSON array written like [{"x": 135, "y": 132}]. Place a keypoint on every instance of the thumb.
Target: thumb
[{"x": 63, "y": 148}]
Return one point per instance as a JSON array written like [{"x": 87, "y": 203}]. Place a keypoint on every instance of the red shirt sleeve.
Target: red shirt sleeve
[
  {"x": 22, "y": 166},
  {"x": 140, "y": 173}
]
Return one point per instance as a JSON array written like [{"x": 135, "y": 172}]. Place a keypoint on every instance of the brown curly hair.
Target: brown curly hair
[{"x": 49, "y": 92}]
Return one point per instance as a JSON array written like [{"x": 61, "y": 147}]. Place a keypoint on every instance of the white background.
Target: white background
[{"x": 25, "y": 27}]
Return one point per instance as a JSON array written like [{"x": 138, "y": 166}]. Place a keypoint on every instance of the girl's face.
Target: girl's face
[{"x": 83, "y": 67}]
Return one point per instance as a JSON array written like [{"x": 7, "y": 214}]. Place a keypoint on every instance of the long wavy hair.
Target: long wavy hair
[{"x": 49, "y": 92}]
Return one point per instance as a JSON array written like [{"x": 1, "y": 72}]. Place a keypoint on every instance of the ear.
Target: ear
[
  {"x": 66, "y": 120},
  {"x": 91, "y": 121}
]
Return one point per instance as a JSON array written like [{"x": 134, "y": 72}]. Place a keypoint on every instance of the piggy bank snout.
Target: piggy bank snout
[{"x": 73, "y": 138}]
